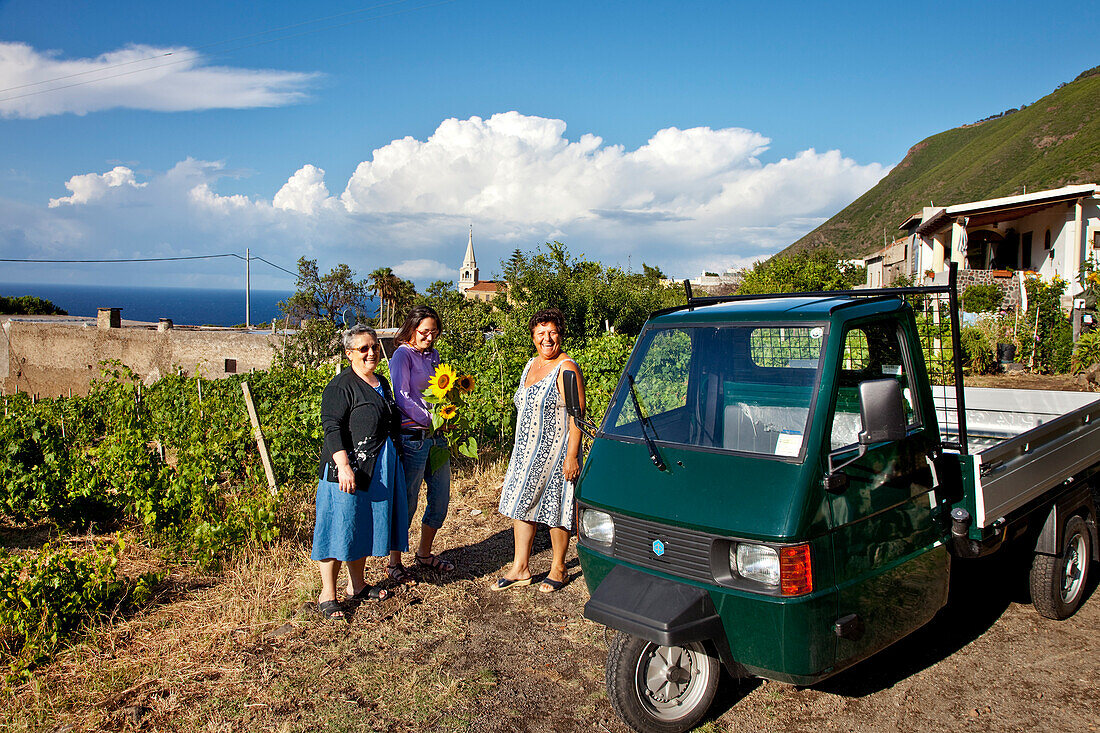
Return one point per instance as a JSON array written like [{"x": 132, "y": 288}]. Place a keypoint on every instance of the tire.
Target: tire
[
  {"x": 1058, "y": 583},
  {"x": 660, "y": 688}
]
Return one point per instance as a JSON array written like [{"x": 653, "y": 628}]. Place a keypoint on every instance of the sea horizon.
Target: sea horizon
[{"x": 184, "y": 305}]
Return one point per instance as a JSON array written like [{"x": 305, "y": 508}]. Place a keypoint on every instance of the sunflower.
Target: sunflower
[
  {"x": 448, "y": 411},
  {"x": 442, "y": 381},
  {"x": 466, "y": 383}
]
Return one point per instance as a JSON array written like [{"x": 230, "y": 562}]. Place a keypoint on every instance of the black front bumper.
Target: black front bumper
[{"x": 655, "y": 609}]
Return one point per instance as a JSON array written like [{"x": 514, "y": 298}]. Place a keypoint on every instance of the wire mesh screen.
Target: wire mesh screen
[
  {"x": 785, "y": 347},
  {"x": 933, "y": 315}
]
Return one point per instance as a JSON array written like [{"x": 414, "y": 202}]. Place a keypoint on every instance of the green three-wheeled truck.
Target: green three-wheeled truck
[{"x": 781, "y": 484}]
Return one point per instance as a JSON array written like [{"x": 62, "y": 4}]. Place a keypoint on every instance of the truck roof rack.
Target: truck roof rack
[{"x": 694, "y": 301}]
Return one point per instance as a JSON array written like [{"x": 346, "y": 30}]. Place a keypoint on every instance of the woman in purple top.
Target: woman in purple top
[{"x": 413, "y": 363}]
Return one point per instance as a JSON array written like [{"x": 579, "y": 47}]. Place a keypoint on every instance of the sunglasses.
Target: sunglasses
[{"x": 367, "y": 349}]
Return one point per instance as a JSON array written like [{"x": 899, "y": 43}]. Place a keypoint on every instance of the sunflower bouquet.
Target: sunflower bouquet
[{"x": 444, "y": 395}]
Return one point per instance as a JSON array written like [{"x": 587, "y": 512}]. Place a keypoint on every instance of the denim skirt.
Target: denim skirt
[{"x": 372, "y": 521}]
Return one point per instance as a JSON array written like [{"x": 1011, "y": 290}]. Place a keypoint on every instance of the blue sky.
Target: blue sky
[{"x": 687, "y": 135}]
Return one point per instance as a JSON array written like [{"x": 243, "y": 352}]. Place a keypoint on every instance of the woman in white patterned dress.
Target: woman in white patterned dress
[{"x": 538, "y": 488}]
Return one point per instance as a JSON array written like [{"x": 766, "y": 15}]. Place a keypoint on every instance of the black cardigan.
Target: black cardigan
[{"x": 358, "y": 420}]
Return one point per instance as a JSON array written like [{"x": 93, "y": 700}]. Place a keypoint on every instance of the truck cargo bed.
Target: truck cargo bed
[{"x": 1024, "y": 442}]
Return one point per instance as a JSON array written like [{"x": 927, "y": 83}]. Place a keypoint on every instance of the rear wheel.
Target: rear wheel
[
  {"x": 660, "y": 688},
  {"x": 1058, "y": 583}
]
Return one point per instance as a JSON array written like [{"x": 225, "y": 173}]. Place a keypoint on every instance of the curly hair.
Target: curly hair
[{"x": 548, "y": 315}]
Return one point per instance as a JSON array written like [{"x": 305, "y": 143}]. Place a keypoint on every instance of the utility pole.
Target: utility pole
[{"x": 247, "y": 288}]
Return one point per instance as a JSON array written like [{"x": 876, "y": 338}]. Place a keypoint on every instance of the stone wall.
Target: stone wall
[
  {"x": 1003, "y": 279},
  {"x": 51, "y": 357}
]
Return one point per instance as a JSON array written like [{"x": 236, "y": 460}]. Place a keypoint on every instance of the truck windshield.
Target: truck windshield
[{"x": 746, "y": 388}]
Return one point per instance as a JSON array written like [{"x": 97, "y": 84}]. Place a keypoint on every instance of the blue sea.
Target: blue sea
[{"x": 185, "y": 306}]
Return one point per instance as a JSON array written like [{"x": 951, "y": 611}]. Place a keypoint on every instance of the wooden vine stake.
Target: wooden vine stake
[{"x": 259, "y": 438}]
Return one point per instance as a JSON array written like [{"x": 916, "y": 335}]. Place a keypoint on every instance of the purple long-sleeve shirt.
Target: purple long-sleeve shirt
[{"x": 410, "y": 371}]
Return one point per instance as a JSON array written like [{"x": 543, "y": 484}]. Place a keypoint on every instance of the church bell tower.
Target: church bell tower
[{"x": 467, "y": 276}]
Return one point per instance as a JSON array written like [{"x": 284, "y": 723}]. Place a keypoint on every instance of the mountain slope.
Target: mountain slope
[{"x": 1053, "y": 142}]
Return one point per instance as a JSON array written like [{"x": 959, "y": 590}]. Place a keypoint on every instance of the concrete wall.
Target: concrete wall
[{"x": 50, "y": 357}]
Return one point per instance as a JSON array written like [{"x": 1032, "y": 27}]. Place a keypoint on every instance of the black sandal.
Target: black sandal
[
  {"x": 332, "y": 610},
  {"x": 434, "y": 562},
  {"x": 370, "y": 593}
]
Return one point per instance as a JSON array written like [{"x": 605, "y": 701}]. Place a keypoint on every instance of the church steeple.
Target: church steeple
[{"x": 467, "y": 276}]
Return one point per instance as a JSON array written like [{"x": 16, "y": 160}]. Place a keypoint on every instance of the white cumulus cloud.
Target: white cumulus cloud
[
  {"x": 519, "y": 170},
  {"x": 304, "y": 192},
  {"x": 91, "y": 186},
  {"x": 685, "y": 201},
  {"x": 162, "y": 79}
]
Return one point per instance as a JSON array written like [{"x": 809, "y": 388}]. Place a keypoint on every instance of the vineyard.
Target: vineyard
[{"x": 175, "y": 467}]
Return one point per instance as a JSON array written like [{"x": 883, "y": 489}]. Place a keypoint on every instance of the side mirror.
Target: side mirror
[
  {"x": 572, "y": 394},
  {"x": 882, "y": 411},
  {"x": 883, "y": 414},
  {"x": 573, "y": 403}
]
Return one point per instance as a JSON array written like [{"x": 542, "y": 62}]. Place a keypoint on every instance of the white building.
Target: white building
[{"x": 1048, "y": 232}]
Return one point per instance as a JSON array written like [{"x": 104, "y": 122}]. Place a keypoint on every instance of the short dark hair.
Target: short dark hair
[
  {"x": 418, "y": 314},
  {"x": 548, "y": 315}
]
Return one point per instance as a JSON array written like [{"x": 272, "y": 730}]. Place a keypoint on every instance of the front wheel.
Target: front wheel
[
  {"x": 660, "y": 688},
  {"x": 1058, "y": 583}
]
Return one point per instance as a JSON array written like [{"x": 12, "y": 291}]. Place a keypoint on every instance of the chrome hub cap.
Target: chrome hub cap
[
  {"x": 1073, "y": 570},
  {"x": 669, "y": 679}
]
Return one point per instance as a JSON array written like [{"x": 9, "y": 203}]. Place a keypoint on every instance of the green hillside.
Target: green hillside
[{"x": 1053, "y": 142}]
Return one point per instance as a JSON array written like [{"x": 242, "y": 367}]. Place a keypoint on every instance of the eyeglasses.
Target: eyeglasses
[
  {"x": 366, "y": 349},
  {"x": 428, "y": 332}
]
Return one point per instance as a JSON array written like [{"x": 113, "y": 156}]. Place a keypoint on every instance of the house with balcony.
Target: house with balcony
[{"x": 1048, "y": 232}]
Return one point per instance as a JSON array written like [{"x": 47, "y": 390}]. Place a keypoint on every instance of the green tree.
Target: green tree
[
  {"x": 812, "y": 271},
  {"x": 317, "y": 307},
  {"x": 590, "y": 296},
  {"x": 324, "y": 296},
  {"x": 28, "y": 305},
  {"x": 465, "y": 322}
]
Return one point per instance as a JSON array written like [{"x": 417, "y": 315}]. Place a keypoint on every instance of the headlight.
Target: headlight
[
  {"x": 756, "y": 562},
  {"x": 597, "y": 526}
]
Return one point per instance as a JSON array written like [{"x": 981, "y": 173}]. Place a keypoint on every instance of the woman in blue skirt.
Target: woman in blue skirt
[{"x": 361, "y": 504}]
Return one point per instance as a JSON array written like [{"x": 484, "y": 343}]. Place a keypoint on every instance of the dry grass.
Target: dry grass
[{"x": 246, "y": 650}]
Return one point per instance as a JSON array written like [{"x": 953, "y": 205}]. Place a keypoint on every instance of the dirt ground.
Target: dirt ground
[{"x": 243, "y": 651}]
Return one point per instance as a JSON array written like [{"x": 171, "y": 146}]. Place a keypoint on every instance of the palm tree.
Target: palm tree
[{"x": 380, "y": 286}]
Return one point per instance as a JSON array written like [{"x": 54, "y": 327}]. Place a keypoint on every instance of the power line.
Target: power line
[
  {"x": 148, "y": 259},
  {"x": 135, "y": 259},
  {"x": 194, "y": 56},
  {"x": 261, "y": 259}
]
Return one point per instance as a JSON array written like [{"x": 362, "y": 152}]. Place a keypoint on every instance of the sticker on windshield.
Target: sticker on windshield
[
  {"x": 788, "y": 444},
  {"x": 816, "y": 333},
  {"x": 892, "y": 369}
]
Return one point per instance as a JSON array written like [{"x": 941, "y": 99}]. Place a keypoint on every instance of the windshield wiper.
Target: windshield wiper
[{"x": 644, "y": 422}]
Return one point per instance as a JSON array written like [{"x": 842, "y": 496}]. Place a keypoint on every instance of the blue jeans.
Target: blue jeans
[{"x": 414, "y": 460}]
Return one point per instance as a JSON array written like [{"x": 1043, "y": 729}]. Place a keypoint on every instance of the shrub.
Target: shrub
[
  {"x": 1086, "y": 352},
  {"x": 980, "y": 298},
  {"x": 1046, "y": 335},
  {"x": 977, "y": 352}
]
